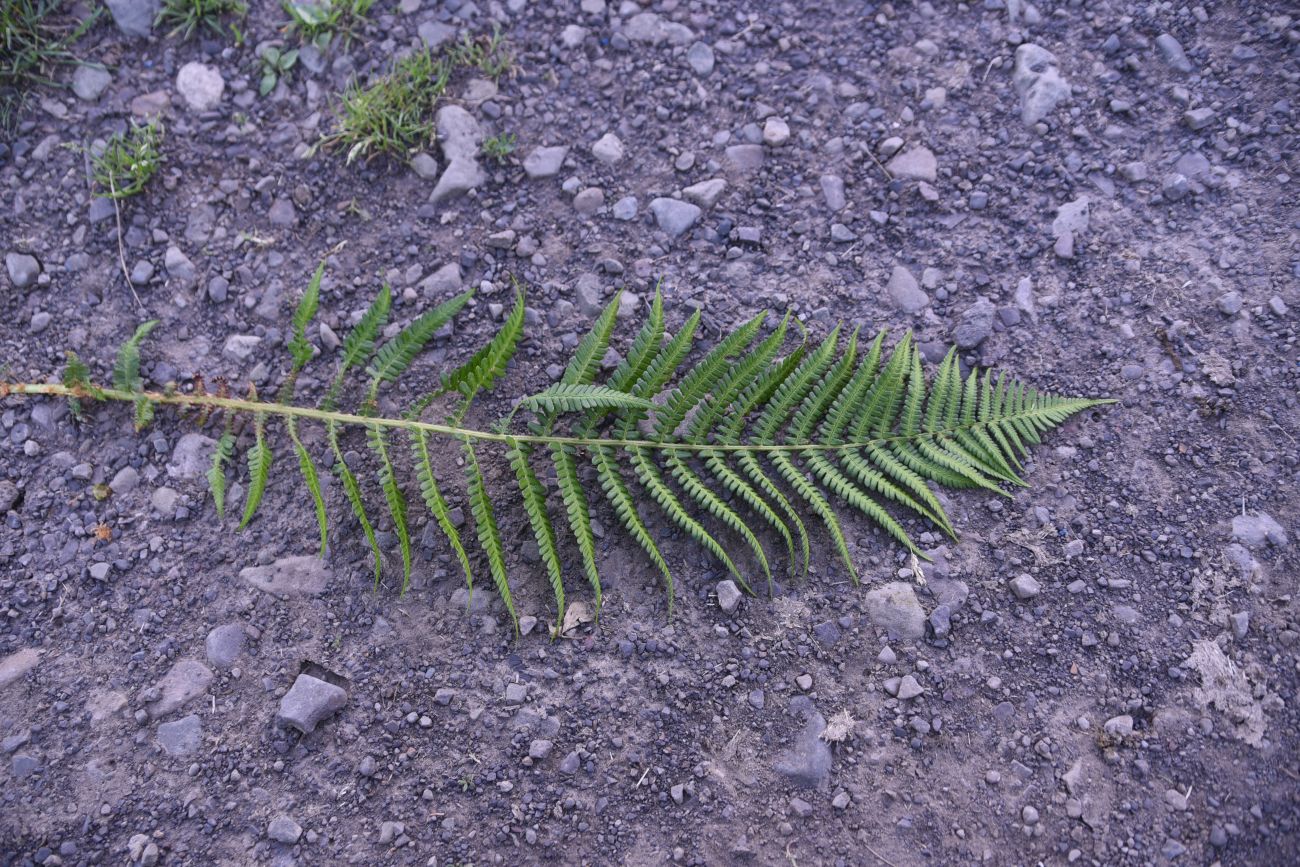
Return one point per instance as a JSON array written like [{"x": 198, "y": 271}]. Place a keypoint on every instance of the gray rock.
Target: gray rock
[
  {"x": 975, "y": 325},
  {"x": 842, "y": 234},
  {"x": 807, "y": 763},
  {"x": 745, "y": 157},
  {"x": 1071, "y": 220},
  {"x": 1172, "y": 51},
  {"x": 909, "y": 688},
  {"x": 589, "y": 295},
  {"x": 700, "y": 57},
  {"x": 435, "y": 33},
  {"x": 589, "y": 201},
  {"x": 1254, "y": 530},
  {"x": 124, "y": 481},
  {"x": 1240, "y": 621},
  {"x": 309, "y": 701},
  {"x": 904, "y": 291},
  {"x": 200, "y": 85},
  {"x": 8, "y": 495},
  {"x": 776, "y": 132},
  {"x": 1175, "y": 186},
  {"x": 608, "y": 149},
  {"x": 895, "y": 608},
  {"x": 625, "y": 208},
  {"x": 458, "y": 133},
  {"x": 284, "y": 830},
  {"x": 1119, "y": 726},
  {"x": 540, "y": 749},
  {"x": 1135, "y": 171},
  {"x": 445, "y": 281},
  {"x": 674, "y": 216},
  {"x": 425, "y": 166},
  {"x": 390, "y": 831},
  {"x": 729, "y": 595},
  {"x": 23, "y": 766},
  {"x": 545, "y": 162},
  {"x": 181, "y": 737},
  {"x": 224, "y": 644},
  {"x": 191, "y": 457},
  {"x": 458, "y": 178},
  {"x": 1025, "y": 586},
  {"x": 705, "y": 193},
  {"x": 165, "y": 500},
  {"x": 1198, "y": 118},
  {"x": 16, "y": 665},
  {"x": 569, "y": 764},
  {"x": 187, "y": 680},
  {"x": 833, "y": 192},
  {"x": 89, "y": 82},
  {"x": 282, "y": 213},
  {"x": 23, "y": 269},
  {"x": 918, "y": 164},
  {"x": 142, "y": 272},
  {"x": 290, "y": 576},
  {"x": 134, "y": 17},
  {"x": 1038, "y": 82},
  {"x": 179, "y": 267},
  {"x": 240, "y": 347}
]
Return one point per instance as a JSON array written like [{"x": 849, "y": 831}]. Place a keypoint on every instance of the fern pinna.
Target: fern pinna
[{"x": 755, "y": 435}]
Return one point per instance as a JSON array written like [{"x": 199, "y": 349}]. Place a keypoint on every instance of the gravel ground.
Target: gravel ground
[{"x": 1103, "y": 670}]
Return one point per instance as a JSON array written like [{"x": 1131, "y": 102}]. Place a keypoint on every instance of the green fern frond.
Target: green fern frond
[
  {"x": 753, "y": 435},
  {"x": 489, "y": 535},
  {"x": 126, "y": 370}
]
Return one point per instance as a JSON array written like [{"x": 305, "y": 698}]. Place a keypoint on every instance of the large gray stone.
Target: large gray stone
[
  {"x": 545, "y": 162},
  {"x": 705, "y": 193},
  {"x": 201, "y": 85},
  {"x": 23, "y": 269},
  {"x": 283, "y": 829},
  {"x": 224, "y": 644},
  {"x": 904, "y": 291},
  {"x": 181, "y": 737},
  {"x": 187, "y": 680},
  {"x": 309, "y": 701},
  {"x": 192, "y": 457},
  {"x": 674, "y": 216},
  {"x": 14, "y": 666},
  {"x": 1038, "y": 82},
  {"x": 975, "y": 324},
  {"x": 458, "y": 133},
  {"x": 807, "y": 763},
  {"x": 1254, "y": 530},
  {"x": 918, "y": 164},
  {"x": 458, "y": 178},
  {"x": 290, "y": 576},
  {"x": 134, "y": 17},
  {"x": 895, "y": 609},
  {"x": 88, "y": 82}
]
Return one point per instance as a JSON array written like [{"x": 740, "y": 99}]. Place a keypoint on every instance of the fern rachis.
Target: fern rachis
[{"x": 746, "y": 439}]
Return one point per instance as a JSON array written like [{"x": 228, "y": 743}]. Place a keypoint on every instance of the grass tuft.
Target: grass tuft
[
  {"x": 394, "y": 113},
  {"x": 129, "y": 161},
  {"x": 498, "y": 148},
  {"x": 187, "y": 17},
  {"x": 319, "y": 21},
  {"x": 35, "y": 37}
]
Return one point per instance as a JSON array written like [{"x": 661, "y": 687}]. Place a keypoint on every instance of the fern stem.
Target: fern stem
[{"x": 90, "y": 392}]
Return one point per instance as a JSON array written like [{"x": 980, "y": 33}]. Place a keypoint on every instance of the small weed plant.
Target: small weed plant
[
  {"x": 498, "y": 148},
  {"x": 763, "y": 434},
  {"x": 189, "y": 17},
  {"x": 277, "y": 63},
  {"x": 35, "y": 37},
  {"x": 128, "y": 161},
  {"x": 321, "y": 21}
]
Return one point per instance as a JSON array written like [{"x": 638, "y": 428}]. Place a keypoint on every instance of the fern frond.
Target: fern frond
[
  {"x": 299, "y": 349},
  {"x": 221, "y": 455},
  {"x": 126, "y": 369},
  {"x": 489, "y": 535},
  {"x": 436, "y": 503},
  {"x": 395, "y": 356},
  {"x": 611, "y": 481},
  {"x": 534, "y": 496},
  {"x": 393, "y": 496},
  {"x": 360, "y": 343},
  {"x": 312, "y": 479},
  {"x": 259, "y": 469},
  {"x": 487, "y": 365},
  {"x": 566, "y": 397},
  {"x": 578, "y": 510},
  {"x": 352, "y": 493}
]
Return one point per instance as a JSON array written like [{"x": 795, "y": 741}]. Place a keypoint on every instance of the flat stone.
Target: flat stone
[
  {"x": 807, "y": 762},
  {"x": 224, "y": 644},
  {"x": 459, "y": 134},
  {"x": 625, "y": 208},
  {"x": 23, "y": 269},
  {"x": 16, "y": 665},
  {"x": 895, "y": 608},
  {"x": 776, "y": 132},
  {"x": 1198, "y": 118},
  {"x": 918, "y": 164},
  {"x": 729, "y": 595},
  {"x": 975, "y": 324},
  {"x": 545, "y": 162},
  {"x": 1039, "y": 83},
  {"x": 1119, "y": 726},
  {"x": 745, "y": 157},
  {"x": 1172, "y": 51},
  {"x": 192, "y": 457},
  {"x": 1025, "y": 586},
  {"x": 309, "y": 701},
  {"x": 833, "y": 192},
  {"x": 435, "y": 33},
  {"x": 200, "y": 85},
  {"x": 674, "y": 216},
  {"x": 1254, "y": 531},
  {"x": 283, "y": 829},
  {"x": 302, "y": 575},
  {"x": 705, "y": 193},
  {"x": 589, "y": 201},
  {"x": 700, "y": 58},
  {"x": 23, "y": 766},
  {"x": 908, "y": 688},
  {"x": 134, "y": 17},
  {"x": 89, "y": 82},
  {"x": 187, "y": 680},
  {"x": 240, "y": 347},
  {"x": 425, "y": 166},
  {"x": 904, "y": 291},
  {"x": 458, "y": 178},
  {"x": 181, "y": 737},
  {"x": 104, "y": 703},
  {"x": 540, "y": 749},
  {"x": 608, "y": 149}
]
